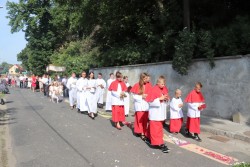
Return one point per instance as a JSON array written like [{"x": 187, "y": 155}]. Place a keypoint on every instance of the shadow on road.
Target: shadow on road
[{"x": 7, "y": 116}]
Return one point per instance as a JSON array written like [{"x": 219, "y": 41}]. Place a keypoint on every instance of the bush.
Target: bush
[
  {"x": 184, "y": 50},
  {"x": 204, "y": 46}
]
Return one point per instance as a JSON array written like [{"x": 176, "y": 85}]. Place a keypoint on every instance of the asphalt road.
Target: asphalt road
[{"x": 45, "y": 134}]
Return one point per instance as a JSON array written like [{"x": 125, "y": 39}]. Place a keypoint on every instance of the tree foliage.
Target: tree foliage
[{"x": 81, "y": 34}]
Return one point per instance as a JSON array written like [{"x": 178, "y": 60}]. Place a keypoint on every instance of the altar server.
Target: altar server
[
  {"x": 176, "y": 115},
  {"x": 101, "y": 86},
  {"x": 196, "y": 103},
  {"x": 108, "y": 106},
  {"x": 127, "y": 99},
  {"x": 140, "y": 91},
  {"x": 157, "y": 99},
  {"x": 91, "y": 97},
  {"x": 82, "y": 84},
  {"x": 71, "y": 85},
  {"x": 117, "y": 89}
]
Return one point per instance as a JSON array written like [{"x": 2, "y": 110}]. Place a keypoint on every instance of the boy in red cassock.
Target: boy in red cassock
[
  {"x": 196, "y": 103},
  {"x": 118, "y": 88},
  {"x": 157, "y": 99}
]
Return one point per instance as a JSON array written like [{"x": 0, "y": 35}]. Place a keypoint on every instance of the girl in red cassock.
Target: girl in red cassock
[{"x": 140, "y": 91}]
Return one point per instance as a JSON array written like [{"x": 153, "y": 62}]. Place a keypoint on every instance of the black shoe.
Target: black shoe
[
  {"x": 164, "y": 148},
  {"x": 2, "y": 102},
  {"x": 197, "y": 138},
  {"x": 126, "y": 115},
  {"x": 187, "y": 133},
  {"x": 78, "y": 110},
  {"x": 147, "y": 141}
]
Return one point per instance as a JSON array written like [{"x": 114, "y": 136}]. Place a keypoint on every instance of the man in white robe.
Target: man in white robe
[
  {"x": 101, "y": 86},
  {"x": 82, "y": 84},
  {"x": 71, "y": 85}
]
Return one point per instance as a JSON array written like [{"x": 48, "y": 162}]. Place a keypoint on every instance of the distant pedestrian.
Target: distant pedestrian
[{"x": 33, "y": 82}]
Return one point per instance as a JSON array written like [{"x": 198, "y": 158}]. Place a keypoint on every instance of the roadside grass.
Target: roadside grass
[{"x": 242, "y": 164}]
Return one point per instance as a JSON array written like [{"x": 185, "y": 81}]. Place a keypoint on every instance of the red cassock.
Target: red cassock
[
  {"x": 156, "y": 126},
  {"x": 175, "y": 125},
  {"x": 118, "y": 113},
  {"x": 141, "y": 117},
  {"x": 193, "y": 124}
]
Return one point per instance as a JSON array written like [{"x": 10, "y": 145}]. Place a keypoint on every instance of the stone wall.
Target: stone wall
[{"x": 226, "y": 87}]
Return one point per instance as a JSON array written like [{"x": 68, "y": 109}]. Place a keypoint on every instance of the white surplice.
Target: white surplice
[
  {"x": 91, "y": 97},
  {"x": 127, "y": 101},
  {"x": 71, "y": 85},
  {"x": 109, "y": 96},
  {"x": 82, "y": 84},
  {"x": 175, "y": 110},
  {"x": 100, "y": 90}
]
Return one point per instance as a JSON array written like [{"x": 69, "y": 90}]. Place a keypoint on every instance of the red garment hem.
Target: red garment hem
[
  {"x": 118, "y": 114},
  {"x": 193, "y": 125},
  {"x": 175, "y": 125},
  {"x": 141, "y": 122},
  {"x": 156, "y": 132}
]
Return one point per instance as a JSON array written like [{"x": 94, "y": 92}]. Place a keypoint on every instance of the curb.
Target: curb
[{"x": 228, "y": 134}]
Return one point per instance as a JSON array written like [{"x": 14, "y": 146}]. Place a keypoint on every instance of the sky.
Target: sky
[{"x": 10, "y": 44}]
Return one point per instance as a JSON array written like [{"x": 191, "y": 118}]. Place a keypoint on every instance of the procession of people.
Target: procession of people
[{"x": 150, "y": 102}]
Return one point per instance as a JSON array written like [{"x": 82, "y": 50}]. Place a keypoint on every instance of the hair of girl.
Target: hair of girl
[
  {"x": 141, "y": 82},
  {"x": 118, "y": 74},
  {"x": 93, "y": 75}
]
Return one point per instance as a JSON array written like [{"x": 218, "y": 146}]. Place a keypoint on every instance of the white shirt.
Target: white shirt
[
  {"x": 175, "y": 110},
  {"x": 45, "y": 81},
  {"x": 71, "y": 83}
]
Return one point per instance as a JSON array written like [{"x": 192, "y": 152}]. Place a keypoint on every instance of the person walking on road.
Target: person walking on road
[
  {"x": 196, "y": 103},
  {"x": 91, "y": 97},
  {"x": 71, "y": 85},
  {"x": 117, "y": 89}
]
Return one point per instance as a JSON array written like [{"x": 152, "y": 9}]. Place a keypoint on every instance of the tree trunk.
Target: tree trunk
[{"x": 186, "y": 13}]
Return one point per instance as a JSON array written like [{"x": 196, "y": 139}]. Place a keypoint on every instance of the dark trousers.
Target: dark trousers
[
  {"x": 65, "y": 91},
  {"x": 21, "y": 84},
  {"x": 46, "y": 90}
]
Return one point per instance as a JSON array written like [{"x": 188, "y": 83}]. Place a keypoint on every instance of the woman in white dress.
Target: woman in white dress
[{"x": 91, "y": 97}]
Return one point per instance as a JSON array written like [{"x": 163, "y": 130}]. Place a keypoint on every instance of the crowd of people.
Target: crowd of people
[
  {"x": 86, "y": 94},
  {"x": 150, "y": 104}
]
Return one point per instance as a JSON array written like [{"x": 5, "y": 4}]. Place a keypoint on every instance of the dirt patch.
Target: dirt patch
[
  {"x": 6, "y": 157},
  {"x": 219, "y": 138}
]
